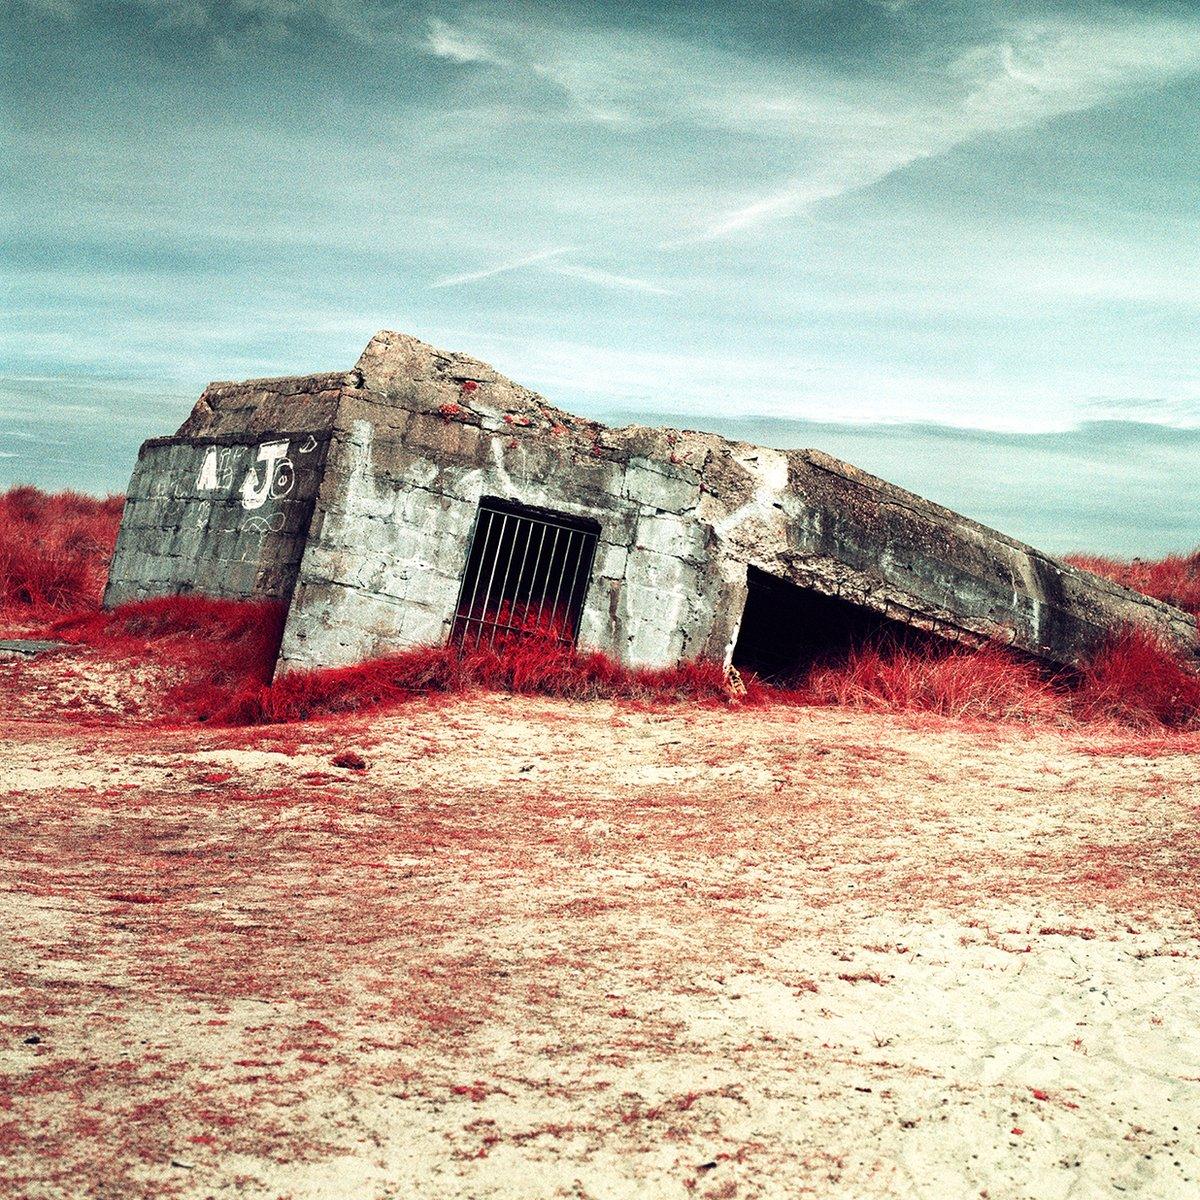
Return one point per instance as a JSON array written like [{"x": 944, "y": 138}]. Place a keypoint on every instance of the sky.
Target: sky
[{"x": 957, "y": 243}]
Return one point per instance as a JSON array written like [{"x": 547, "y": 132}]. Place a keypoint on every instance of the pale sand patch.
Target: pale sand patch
[{"x": 544, "y": 949}]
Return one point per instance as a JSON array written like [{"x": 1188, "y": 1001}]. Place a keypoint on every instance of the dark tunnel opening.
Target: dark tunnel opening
[{"x": 787, "y": 629}]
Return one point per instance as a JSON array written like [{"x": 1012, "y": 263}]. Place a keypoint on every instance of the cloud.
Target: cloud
[
  {"x": 67, "y": 10},
  {"x": 184, "y": 219},
  {"x": 607, "y": 279},
  {"x": 826, "y": 132},
  {"x": 568, "y": 270},
  {"x": 503, "y": 268},
  {"x": 444, "y": 41},
  {"x": 786, "y": 200},
  {"x": 1038, "y": 71}
]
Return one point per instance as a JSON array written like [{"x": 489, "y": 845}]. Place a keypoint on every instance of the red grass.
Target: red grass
[
  {"x": 530, "y": 666},
  {"x": 219, "y": 654},
  {"x": 1134, "y": 680},
  {"x": 1174, "y": 579},
  {"x": 210, "y": 647},
  {"x": 54, "y": 551},
  {"x": 1138, "y": 681},
  {"x": 216, "y": 659},
  {"x": 958, "y": 682}
]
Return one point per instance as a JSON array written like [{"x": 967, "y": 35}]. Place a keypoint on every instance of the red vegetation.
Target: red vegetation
[
  {"x": 216, "y": 657},
  {"x": 54, "y": 551},
  {"x": 864, "y": 977},
  {"x": 207, "y": 647},
  {"x": 1174, "y": 579},
  {"x": 955, "y": 682},
  {"x": 530, "y": 666},
  {"x": 1136, "y": 680}
]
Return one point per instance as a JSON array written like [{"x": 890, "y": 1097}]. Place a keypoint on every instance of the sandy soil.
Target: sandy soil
[{"x": 545, "y": 949}]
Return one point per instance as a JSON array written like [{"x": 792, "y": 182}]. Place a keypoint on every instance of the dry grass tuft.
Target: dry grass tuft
[
  {"x": 1139, "y": 682},
  {"x": 54, "y": 551},
  {"x": 217, "y": 655},
  {"x": 1174, "y": 579},
  {"x": 985, "y": 684}
]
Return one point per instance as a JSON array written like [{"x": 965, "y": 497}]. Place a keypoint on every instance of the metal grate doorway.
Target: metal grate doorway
[{"x": 527, "y": 575}]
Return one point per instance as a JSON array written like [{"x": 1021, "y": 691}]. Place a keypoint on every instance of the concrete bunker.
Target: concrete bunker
[{"x": 421, "y": 497}]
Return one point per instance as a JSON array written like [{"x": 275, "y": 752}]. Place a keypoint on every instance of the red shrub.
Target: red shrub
[
  {"x": 1174, "y": 579},
  {"x": 219, "y": 656},
  {"x": 955, "y": 682},
  {"x": 211, "y": 647},
  {"x": 1137, "y": 680},
  {"x": 514, "y": 622},
  {"x": 531, "y": 666},
  {"x": 54, "y": 551}
]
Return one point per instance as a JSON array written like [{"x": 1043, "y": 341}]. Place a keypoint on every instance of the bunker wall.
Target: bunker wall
[
  {"x": 224, "y": 516},
  {"x": 844, "y": 533},
  {"x": 389, "y": 540},
  {"x": 366, "y": 521}
]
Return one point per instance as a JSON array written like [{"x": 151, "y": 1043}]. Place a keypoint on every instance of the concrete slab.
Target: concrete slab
[{"x": 28, "y": 647}]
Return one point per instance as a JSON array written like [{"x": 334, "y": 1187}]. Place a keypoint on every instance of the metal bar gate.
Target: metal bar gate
[{"x": 527, "y": 575}]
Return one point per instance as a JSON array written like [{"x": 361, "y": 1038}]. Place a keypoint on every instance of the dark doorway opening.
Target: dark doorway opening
[
  {"x": 527, "y": 575},
  {"x": 786, "y": 629}
]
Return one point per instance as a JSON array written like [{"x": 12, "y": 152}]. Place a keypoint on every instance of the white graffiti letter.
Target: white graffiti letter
[
  {"x": 255, "y": 490},
  {"x": 207, "y": 480}
]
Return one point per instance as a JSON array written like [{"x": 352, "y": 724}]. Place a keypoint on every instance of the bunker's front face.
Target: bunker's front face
[{"x": 604, "y": 953}]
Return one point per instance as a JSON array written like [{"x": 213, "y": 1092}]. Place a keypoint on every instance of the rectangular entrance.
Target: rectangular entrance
[
  {"x": 527, "y": 575},
  {"x": 786, "y": 629}
]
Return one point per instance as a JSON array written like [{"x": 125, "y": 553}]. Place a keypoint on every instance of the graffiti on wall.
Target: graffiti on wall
[
  {"x": 216, "y": 473},
  {"x": 271, "y": 476},
  {"x": 273, "y": 481}
]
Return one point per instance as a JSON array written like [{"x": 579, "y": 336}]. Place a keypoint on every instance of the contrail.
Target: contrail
[
  {"x": 515, "y": 265},
  {"x": 608, "y": 279}
]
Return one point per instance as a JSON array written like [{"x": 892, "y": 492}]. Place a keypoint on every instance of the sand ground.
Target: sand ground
[{"x": 544, "y": 949}]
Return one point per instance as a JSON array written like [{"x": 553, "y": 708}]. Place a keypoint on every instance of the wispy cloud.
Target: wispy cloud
[
  {"x": 570, "y": 270},
  {"x": 516, "y": 264},
  {"x": 788, "y": 199},
  {"x": 607, "y": 278},
  {"x": 1039, "y": 71},
  {"x": 445, "y": 41},
  {"x": 1044, "y": 258},
  {"x": 841, "y": 136}
]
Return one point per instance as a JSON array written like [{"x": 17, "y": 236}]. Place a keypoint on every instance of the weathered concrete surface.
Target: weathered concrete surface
[
  {"x": 27, "y": 647},
  {"x": 370, "y": 541},
  {"x": 226, "y": 512},
  {"x": 414, "y": 450}
]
